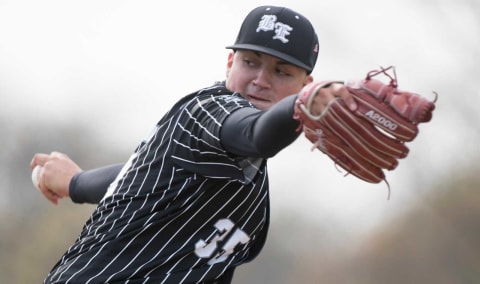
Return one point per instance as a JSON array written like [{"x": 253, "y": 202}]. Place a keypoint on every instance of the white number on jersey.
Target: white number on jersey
[{"x": 211, "y": 250}]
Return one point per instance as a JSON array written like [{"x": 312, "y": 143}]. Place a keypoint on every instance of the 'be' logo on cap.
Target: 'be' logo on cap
[{"x": 269, "y": 23}]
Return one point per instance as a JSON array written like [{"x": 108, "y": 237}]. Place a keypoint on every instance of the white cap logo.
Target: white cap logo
[{"x": 269, "y": 23}]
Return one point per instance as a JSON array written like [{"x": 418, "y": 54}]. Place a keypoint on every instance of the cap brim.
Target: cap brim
[{"x": 272, "y": 52}]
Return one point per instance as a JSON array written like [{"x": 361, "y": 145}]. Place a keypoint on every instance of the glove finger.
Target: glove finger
[
  {"x": 344, "y": 156},
  {"x": 411, "y": 106},
  {"x": 364, "y": 137},
  {"x": 355, "y": 142},
  {"x": 380, "y": 114}
]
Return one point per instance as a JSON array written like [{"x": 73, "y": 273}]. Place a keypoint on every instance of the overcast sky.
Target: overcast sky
[{"x": 121, "y": 64}]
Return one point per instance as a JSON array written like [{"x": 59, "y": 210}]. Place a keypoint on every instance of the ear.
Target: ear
[
  {"x": 308, "y": 80},
  {"x": 229, "y": 62}
]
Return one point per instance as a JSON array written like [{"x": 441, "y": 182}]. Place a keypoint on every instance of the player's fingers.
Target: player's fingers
[
  {"x": 39, "y": 159},
  {"x": 42, "y": 187},
  {"x": 322, "y": 97},
  {"x": 341, "y": 91},
  {"x": 50, "y": 197},
  {"x": 57, "y": 155}
]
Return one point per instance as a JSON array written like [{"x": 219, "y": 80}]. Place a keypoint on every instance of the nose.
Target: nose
[{"x": 262, "y": 79}]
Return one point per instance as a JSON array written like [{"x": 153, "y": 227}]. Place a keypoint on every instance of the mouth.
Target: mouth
[
  {"x": 256, "y": 98},
  {"x": 259, "y": 102}
]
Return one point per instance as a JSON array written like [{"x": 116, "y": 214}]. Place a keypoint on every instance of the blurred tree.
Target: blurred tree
[
  {"x": 435, "y": 242},
  {"x": 33, "y": 232}
]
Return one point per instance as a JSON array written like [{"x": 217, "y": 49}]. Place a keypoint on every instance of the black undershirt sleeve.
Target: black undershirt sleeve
[
  {"x": 90, "y": 186},
  {"x": 251, "y": 132}
]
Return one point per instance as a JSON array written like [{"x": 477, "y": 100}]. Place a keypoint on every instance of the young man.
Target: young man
[{"x": 192, "y": 202}]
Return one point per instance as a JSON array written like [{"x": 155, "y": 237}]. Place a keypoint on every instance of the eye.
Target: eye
[
  {"x": 283, "y": 71},
  {"x": 249, "y": 62}
]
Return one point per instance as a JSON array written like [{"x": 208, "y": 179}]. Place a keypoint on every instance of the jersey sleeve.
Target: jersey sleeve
[
  {"x": 224, "y": 136},
  {"x": 196, "y": 144}
]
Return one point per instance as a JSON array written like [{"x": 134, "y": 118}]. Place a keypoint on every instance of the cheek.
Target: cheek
[
  {"x": 284, "y": 91},
  {"x": 236, "y": 81},
  {"x": 231, "y": 83}
]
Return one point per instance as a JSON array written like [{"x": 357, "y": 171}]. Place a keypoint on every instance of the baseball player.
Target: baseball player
[{"x": 192, "y": 202}]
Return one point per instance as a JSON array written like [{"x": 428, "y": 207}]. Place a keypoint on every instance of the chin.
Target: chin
[{"x": 262, "y": 105}]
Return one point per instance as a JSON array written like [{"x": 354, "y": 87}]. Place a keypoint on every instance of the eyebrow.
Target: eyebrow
[{"x": 280, "y": 61}]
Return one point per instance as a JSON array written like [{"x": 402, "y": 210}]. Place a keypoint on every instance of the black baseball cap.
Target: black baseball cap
[{"x": 280, "y": 32}]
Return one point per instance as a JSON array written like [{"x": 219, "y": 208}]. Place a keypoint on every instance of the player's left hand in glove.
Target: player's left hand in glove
[{"x": 370, "y": 139}]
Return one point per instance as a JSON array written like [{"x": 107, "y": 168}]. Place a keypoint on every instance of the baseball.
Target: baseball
[{"x": 35, "y": 176}]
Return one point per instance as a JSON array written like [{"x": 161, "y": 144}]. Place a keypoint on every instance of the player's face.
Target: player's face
[{"x": 263, "y": 79}]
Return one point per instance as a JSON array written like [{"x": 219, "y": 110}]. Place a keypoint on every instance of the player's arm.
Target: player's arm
[
  {"x": 90, "y": 186},
  {"x": 255, "y": 133}
]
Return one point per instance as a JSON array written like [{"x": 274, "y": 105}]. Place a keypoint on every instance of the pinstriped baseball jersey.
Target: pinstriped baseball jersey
[{"x": 182, "y": 210}]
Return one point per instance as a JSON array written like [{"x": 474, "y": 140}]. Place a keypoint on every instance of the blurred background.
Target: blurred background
[{"x": 90, "y": 78}]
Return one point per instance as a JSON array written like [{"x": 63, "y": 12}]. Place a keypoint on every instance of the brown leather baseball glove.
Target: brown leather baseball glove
[{"x": 371, "y": 139}]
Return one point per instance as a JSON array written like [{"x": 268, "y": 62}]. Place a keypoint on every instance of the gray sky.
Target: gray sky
[{"x": 122, "y": 64}]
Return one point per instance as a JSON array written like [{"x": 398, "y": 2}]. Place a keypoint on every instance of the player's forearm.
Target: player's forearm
[
  {"x": 90, "y": 186},
  {"x": 255, "y": 133}
]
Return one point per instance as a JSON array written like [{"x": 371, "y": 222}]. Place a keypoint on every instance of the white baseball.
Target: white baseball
[{"x": 35, "y": 176}]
